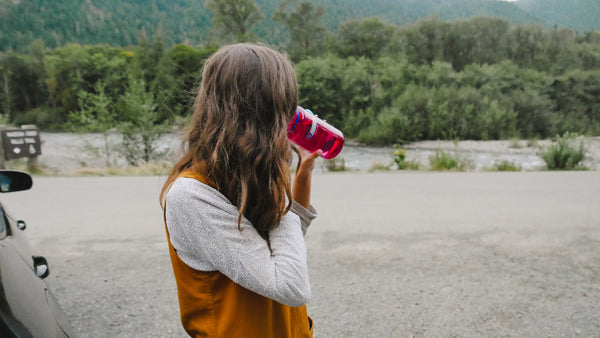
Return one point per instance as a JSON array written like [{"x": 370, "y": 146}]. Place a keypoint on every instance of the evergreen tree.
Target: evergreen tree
[
  {"x": 303, "y": 20},
  {"x": 141, "y": 127},
  {"x": 370, "y": 37},
  {"x": 233, "y": 18}
]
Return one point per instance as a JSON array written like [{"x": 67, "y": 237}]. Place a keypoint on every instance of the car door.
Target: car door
[{"x": 27, "y": 307}]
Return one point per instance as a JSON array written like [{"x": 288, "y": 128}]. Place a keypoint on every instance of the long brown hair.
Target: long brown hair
[{"x": 237, "y": 137}]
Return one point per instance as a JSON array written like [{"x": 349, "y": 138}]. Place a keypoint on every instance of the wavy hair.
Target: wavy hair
[{"x": 237, "y": 137}]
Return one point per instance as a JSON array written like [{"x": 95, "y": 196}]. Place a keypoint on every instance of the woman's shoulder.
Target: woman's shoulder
[
  {"x": 186, "y": 190},
  {"x": 186, "y": 186}
]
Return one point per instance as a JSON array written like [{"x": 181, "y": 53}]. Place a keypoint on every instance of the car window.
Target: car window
[{"x": 3, "y": 228}]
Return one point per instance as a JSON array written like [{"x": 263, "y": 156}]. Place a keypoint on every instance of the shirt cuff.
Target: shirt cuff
[{"x": 306, "y": 215}]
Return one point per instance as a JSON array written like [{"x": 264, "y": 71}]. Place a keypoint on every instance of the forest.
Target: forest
[{"x": 481, "y": 78}]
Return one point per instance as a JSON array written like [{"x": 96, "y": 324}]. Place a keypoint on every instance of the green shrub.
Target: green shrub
[
  {"x": 402, "y": 163},
  {"x": 566, "y": 154},
  {"x": 400, "y": 159},
  {"x": 444, "y": 161},
  {"x": 42, "y": 117}
]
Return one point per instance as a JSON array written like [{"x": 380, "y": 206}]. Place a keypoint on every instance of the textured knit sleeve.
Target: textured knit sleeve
[
  {"x": 203, "y": 227},
  {"x": 306, "y": 215}
]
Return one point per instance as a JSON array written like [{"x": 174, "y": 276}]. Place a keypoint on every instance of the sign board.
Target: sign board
[{"x": 21, "y": 143}]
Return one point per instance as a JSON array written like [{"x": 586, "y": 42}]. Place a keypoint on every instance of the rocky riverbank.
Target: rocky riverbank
[{"x": 65, "y": 153}]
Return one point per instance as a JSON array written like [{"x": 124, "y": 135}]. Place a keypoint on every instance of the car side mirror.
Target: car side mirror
[{"x": 12, "y": 180}]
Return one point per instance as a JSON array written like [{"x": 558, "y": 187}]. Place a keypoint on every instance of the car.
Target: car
[{"x": 27, "y": 307}]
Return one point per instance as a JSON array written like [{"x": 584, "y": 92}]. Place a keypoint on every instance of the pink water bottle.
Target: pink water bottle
[{"x": 311, "y": 133}]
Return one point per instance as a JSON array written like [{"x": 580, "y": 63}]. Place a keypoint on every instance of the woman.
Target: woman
[{"x": 235, "y": 225}]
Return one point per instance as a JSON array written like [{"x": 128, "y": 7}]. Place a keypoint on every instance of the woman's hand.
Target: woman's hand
[
  {"x": 302, "y": 181},
  {"x": 306, "y": 161}
]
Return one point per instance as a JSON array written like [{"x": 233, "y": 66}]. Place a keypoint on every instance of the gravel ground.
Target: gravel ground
[{"x": 397, "y": 254}]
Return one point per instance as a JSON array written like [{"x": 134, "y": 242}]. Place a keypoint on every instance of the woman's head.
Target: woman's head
[
  {"x": 238, "y": 136},
  {"x": 250, "y": 83}
]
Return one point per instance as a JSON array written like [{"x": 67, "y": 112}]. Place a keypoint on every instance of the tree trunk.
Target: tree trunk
[{"x": 6, "y": 95}]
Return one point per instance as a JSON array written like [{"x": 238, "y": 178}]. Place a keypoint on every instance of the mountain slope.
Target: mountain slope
[
  {"x": 580, "y": 15},
  {"x": 114, "y": 22},
  {"x": 403, "y": 12},
  {"x": 120, "y": 23}
]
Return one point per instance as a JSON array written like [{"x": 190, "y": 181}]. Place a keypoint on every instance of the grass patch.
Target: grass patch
[
  {"x": 505, "y": 166},
  {"x": 145, "y": 169},
  {"x": 31, "y": 166},
  {"x": 379, "y": 167},
  {"x": 515, "y": 144},
  {"x": 534, "y": 143},
  {"x": 335, "y": 165}
]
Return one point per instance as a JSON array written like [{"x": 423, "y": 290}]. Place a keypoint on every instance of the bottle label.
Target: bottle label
[
  {"x": 291, "y": 128},
  {"x": 313, "y": 128}
]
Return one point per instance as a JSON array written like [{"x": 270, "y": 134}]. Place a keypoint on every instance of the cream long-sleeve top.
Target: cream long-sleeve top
[{"x": 203, "y": 227}]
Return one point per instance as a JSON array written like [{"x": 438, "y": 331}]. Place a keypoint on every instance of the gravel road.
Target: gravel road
[{"x": 395, "y": 254}]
